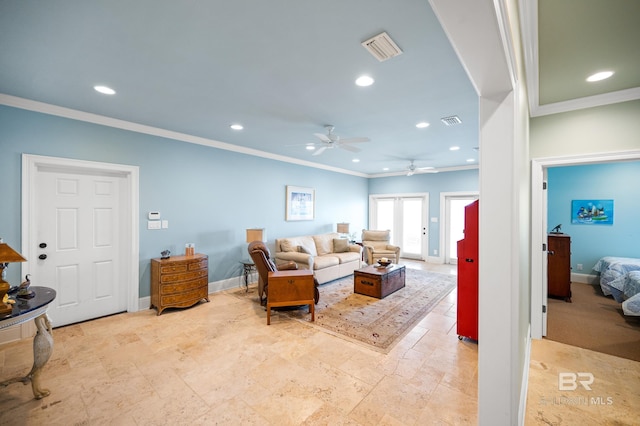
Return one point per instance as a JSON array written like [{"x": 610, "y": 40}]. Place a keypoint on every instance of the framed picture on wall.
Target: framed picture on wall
[
  {"x": 300, "y": 203},
  {"x": 592, "y": 212}
]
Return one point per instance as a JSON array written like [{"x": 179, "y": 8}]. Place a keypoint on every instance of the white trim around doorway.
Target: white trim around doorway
[{"x": 538, "y": 213}]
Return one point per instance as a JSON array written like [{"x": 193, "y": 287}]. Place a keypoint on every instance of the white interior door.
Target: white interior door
[{"x": 82, "y": 238}]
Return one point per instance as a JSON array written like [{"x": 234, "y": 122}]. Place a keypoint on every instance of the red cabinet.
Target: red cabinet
[{"x": 467, "y": 317}]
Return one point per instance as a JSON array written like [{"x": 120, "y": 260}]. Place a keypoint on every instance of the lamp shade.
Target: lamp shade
[
  {"x": 343, "y": 228},
  {"x": 256, "y": 234},
  {"x": 7, "y": 254}
]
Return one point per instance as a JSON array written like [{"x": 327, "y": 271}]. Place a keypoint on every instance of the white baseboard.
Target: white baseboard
[
  {"x": 585, "y": 278},
  {"x": 435, "y": 259},
  {"x": 214, "y": 287},
  {"x": 524, "y": 388}
]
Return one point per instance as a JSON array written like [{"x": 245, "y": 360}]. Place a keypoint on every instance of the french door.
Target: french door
[
  {"x": 453, "y": 223},
  {"x": 406, "y": 216}
]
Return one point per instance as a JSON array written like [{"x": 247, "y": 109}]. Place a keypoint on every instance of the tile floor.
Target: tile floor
[{"x": 219, "y": 363}]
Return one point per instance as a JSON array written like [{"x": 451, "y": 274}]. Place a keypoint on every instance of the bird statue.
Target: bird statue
[
  {"x": 23, "y": 289},
  {"x": 557, "y": 230}
]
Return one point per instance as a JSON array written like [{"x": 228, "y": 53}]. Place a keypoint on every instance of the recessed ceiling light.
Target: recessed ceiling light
[
  {"x": 310, "y": 147},
  {"x": 470, "y": 160},
  {"x": 422, "y": 125},
  {"x": 356, "y": 160},
  {"x": 454, "y": 148},
  {"x": 104, "y": 90},
  {"x": 237, "y": 126},
  {"x": 385, "y": 169},
  {"x": 364, "y": 81},
  {"x": 599, "y": 76}
]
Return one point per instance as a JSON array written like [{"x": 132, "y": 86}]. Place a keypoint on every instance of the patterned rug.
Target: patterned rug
[{"x": 376, "y": 322}]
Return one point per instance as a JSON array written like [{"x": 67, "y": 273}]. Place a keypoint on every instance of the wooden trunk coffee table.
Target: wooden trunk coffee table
[{"x": 377, "y": 281}]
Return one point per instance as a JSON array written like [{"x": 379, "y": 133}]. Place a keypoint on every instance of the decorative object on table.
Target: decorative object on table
[
  {"x": 343, "y": 230},
  {"x": 165, "y": 254},
  {"x": 300, "y": 203},
  {"x": 592, "y": 212},
  {"x": 557, "y": 229},
  {"x": 24, "y": 292},
  {"x": 189, "y": 249},
  {"x": 7, "y": 255},
  {"x": 384, "y": 262}
]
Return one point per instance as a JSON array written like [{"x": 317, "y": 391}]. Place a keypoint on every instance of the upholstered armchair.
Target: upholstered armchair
[
  {"x": 376, "y": 245},
  {"x": 262, "y": 259}
]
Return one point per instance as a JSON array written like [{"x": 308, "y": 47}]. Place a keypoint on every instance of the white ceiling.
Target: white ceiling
[{"x": 285, "y": 69}]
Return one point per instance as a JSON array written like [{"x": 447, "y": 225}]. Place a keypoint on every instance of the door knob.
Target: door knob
[
  {"x": 42, "y": 256},
  {"x": 42, "y": 245}
]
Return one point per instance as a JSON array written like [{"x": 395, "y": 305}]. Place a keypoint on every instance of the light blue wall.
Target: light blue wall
[
  {"x": 617, "y": 181},
  {"x": 209, "y": 196},
  {"x": 434, "y": 184}
]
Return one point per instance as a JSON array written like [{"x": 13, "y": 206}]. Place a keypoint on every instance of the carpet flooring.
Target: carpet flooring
[
  {"x": 379, "y": 323},
  {"x": 593, "y": 321}
]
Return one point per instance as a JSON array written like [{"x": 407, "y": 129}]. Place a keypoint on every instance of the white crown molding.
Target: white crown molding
[
  {"x": 41, "y": 107},
  {"x": 529, "y": 21},
  {"x": 587, "y": 102}
]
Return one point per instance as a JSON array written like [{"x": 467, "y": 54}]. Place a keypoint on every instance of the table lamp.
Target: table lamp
[
  {"x": 343, "y": 228},
  {"x": 256, "y": 234},
  {"x": 7, "y": 255}
]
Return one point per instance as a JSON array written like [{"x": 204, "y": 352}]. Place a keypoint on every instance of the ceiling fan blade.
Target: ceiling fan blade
[
  {"x": 349, "y": 148},
  {"x": 319, "y": 151},
  {"x": 354, "y": 140},
  {"x": 322, "y": 137}
]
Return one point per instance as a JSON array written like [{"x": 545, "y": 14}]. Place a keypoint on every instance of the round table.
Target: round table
[{"x": 35, "y": 309}]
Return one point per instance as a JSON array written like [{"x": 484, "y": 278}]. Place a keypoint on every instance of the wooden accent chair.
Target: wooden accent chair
[
  {"x": 262, "y": 259},
  {"x": 376, "y": 245}
]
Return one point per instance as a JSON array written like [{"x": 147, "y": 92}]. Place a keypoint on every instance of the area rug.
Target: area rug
[{"x": 379, "y": 323}]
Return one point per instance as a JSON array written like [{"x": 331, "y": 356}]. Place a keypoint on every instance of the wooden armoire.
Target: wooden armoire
[
  {"x": 559, "y": 266},
  {"x": 467, "y": 315}
]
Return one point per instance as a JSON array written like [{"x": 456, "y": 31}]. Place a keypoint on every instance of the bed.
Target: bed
[{"x": 620, "y": 278}]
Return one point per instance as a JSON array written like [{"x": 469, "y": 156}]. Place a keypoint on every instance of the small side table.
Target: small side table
[
  {"x": 34, "y": 309},
  {"x": 247, "y": 268}
]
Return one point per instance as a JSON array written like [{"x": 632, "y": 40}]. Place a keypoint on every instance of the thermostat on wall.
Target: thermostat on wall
[{"x": 154, "y": 215}]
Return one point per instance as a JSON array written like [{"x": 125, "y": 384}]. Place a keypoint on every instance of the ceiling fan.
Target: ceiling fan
[
  {"x": 411, "y": 169},
  {"x": 331, "y": 140}
]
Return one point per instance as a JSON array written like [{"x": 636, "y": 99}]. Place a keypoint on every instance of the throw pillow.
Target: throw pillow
[
  {"x": 340, "y": 245},
  {"x": 303, "y": 249}
]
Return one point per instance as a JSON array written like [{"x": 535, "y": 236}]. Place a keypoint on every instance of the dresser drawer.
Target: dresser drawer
[
  {"x": 182, "y": 286},
  {"x": 171, "y": 278},
  {"x": 186, "y": 298}
]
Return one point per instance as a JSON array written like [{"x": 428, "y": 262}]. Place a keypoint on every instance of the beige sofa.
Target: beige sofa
[{"x": 327, "y": 255}]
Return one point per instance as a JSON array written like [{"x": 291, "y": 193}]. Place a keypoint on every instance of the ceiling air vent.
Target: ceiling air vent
[
  {"x": 382, "y": 47},
  {"x": 451, "y": 121}
]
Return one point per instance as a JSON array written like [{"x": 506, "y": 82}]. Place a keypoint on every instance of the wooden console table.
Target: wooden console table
[{"x": 25, "y": 310}]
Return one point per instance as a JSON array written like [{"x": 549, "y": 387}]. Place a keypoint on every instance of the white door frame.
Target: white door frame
[
  {"x": 30, "y": 165},
  {"x": 443, "y": 217},
  {"x": 538, "y": 224}
]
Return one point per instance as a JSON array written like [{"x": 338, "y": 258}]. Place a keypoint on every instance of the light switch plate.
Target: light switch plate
[{"x": 154, "y": 224}]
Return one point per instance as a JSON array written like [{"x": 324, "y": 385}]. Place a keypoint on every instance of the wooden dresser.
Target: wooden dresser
[
  {"x": 559, "y": 266},
  {"x": 179, "y": 281}
]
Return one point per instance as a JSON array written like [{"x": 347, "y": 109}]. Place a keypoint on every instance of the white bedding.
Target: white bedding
[{"x": 620, "y": 278}]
